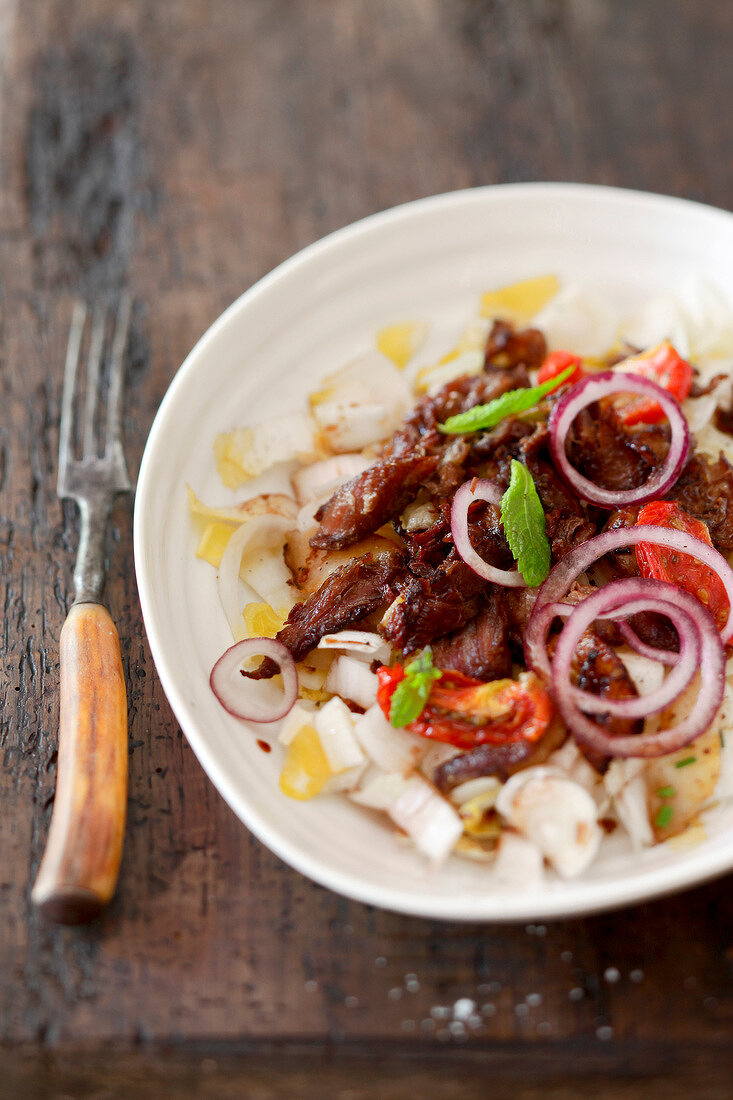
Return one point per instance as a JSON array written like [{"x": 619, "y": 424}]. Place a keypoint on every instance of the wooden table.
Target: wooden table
[{"x": 182, "y": 148}]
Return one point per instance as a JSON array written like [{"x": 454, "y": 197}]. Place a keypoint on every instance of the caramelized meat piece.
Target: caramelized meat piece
[
  {"x": 698, "y": 390},
  {"x": 723, "y": 420},
  {"x": 516, "y": 605},
  {"x": 347, "y": 595},
  {"x": 433, "y": 602},
  {"x": 705, "y": 490},
  {"x": 481, "y": 649},
  {"x": 598, "y": 669},
  {"x": 432, "y": 605},
  {"x": 420, "y": 428},
  {"x": 370, "y": 499},
  {"x": 621, "y": 563},
  {"x": 507, "y": 348},
  {"x": 609, "y": 455},
  {"x": 499, "y": 760}
]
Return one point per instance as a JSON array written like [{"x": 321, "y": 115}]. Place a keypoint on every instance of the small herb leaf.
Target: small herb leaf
[
  {"x": 523, "y": 519},
  {"x": 666, "y": 792},
  {"x": 411, "y": 694},
  {"x": 664, "y": 816},
  {"x": 685, "y": 762},
  {"x": 481, "y": 417}
]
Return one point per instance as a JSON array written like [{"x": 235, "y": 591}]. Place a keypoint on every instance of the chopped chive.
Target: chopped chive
[
  {"x": 685, "y": 762},
  {"x": 664, "y": 816},
  {"x": 666, "y": 792}
]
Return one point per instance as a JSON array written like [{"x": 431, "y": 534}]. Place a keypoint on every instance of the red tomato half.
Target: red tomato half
[
  {"x": 465, "y": 712},
  {"x": 558, "y": 361},
  {"x": 682, "y": 570},
  {"x": 665, "y": 367}
]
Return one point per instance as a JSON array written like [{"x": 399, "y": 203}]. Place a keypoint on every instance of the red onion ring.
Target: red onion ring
[
  {"x": 678, "y": 605},
  {"x": 479, "y": 489},
  {"x": 625, "y": 598},
  {"x": 632, "y": 639},
  {"x": 577, "y": 561},
  {"x": 238, "y": 695},
  {"x": 591, "y": 389}
]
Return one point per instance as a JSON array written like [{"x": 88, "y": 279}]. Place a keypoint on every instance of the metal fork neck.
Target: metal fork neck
[{"x": 89, "y": 571}]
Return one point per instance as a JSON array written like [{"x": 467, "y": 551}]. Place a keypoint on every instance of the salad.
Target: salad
[{"x": 495, "y": 608}]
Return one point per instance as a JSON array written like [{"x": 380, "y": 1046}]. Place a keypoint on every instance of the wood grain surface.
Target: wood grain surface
[{"x": 182, "y": 148}]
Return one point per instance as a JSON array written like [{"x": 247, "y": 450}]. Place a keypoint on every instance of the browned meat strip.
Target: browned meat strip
[
  {"x": 347, "y": 595},
  {"x": 598, "y": 669},
  {"x": 499, "y": 760},
  {"x": 433, "y": 602},
  {"x": 698, "y": 390},
  {"x": 481, "y": 649},
  {"x": 507, "y": 348},
  {"x": 705, "y": 490},
  {"x": 433, "y": 605},
  {"x": 605, "y": 453},
  {"x": 370, "y": 499},
  {"x": 420, "y": 426}
]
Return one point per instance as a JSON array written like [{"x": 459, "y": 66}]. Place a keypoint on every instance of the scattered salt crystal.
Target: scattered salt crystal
[
  {"x": 463, "y": 1008},
  {"x": 604, "y": 1032},
  {"x": 395, "y": 994},
  {"x": 521, "y": 1010},
  {"x": 534, "y": 999},
  {"x": 612, "y": 975},
  {"x": 576, "y": 994},
  {"x": 637, "y": 976},
  {"x": 351, "y": 1002}
]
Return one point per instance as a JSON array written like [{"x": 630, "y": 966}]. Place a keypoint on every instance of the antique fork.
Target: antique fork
[{"x": 78, "y": 873}]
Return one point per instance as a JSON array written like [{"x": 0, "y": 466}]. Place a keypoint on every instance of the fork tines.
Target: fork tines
[{"x": 111, "y": 465}]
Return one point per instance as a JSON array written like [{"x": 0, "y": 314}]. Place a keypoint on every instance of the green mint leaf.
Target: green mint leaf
[
  {"x": 411, "y": 694},
  {"x": 509, "y": 404},
  {"x": 523, "y": 519}
]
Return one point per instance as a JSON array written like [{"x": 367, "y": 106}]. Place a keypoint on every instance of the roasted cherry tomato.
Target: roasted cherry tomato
[
  {"x": 682, "y": 570},
  {"x": 665, "y": 367},
  {"x": 465, "y": 712},
  {"x": 558, "y": 361}
]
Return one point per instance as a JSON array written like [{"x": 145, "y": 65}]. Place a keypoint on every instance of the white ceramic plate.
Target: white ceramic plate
[{"x": 429, "y": 259}]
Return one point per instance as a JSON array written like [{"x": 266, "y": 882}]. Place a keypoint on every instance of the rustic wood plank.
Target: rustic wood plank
[
  {"x": 291, "y": 1072},
  {"x": 183, "y": 149}
]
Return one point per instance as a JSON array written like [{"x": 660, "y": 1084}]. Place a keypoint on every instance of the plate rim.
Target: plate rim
[{"x": 513, "y": 907}]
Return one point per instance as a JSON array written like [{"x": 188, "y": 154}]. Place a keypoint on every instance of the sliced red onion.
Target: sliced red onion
[
  {"x": 579, "y": 560},
  {"x": 628, "y": 597},
  {"x": 591, "y": 389},
  {"x": 632, "y": 639},
  {"x": 694, "y": 624},
  {"x": 249, "y": 699},
  {"x": 479, "y": 489}
]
